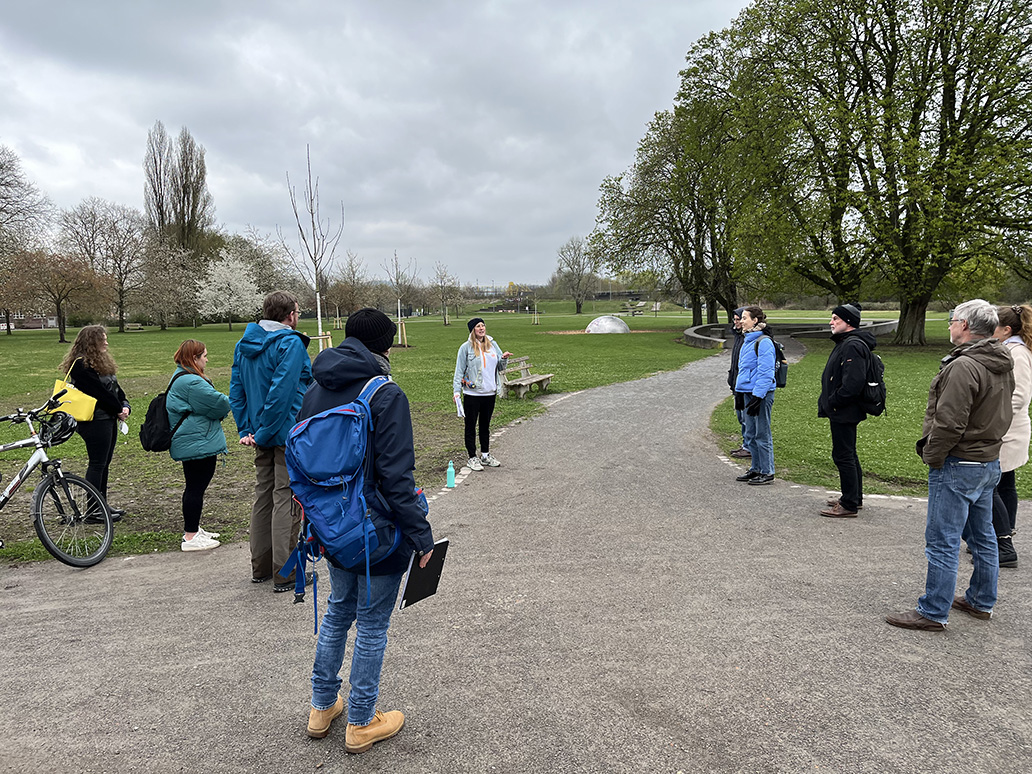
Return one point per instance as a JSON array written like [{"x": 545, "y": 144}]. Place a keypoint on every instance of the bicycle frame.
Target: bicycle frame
[{"x": 39, "y": 457}]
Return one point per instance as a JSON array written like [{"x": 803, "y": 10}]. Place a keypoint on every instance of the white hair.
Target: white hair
[{"x": 981, "y": 316}]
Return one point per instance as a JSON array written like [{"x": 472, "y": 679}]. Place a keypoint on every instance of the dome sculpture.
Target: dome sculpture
[{"x": 607, "y": 324}]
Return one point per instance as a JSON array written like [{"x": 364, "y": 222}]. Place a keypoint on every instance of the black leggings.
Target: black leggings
[
  {"x": 99, "y": 436},
  {"x": 198, "y": 475},
  {"x": 478, "y": 407},
  {"x": 1005, "y": 505}
]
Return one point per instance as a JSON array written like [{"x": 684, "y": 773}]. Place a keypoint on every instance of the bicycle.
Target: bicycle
[{"x": 71, "y": 517}]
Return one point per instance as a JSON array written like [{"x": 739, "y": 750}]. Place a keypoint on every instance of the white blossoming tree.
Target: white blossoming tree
[{"x": 229, "y": 291}]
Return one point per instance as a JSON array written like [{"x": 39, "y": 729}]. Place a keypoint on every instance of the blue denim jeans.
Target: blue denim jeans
[
  {"x": 960, "y": 501},
  {"x": 757, "y": 438},
  {"x": 346, "y": 606}
]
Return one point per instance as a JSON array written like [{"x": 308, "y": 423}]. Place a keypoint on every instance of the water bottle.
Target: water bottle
[{"x": 451, "y": 474}]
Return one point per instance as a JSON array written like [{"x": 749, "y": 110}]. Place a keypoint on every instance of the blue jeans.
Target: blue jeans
[
  {"x": 741, "y": 422},
  {"x": 757, "y": 438},
  {"x": 960, "y": 500},
  {"x": 346, "y": 606}
]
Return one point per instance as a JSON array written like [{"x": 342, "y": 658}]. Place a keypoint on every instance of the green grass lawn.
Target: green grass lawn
[{"x": 149, "y": 486}]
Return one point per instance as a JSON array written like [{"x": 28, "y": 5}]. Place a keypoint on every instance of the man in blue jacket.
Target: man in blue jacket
[
  {"x": 340, "y": 374},
  {"x": 271, "y": 371}
]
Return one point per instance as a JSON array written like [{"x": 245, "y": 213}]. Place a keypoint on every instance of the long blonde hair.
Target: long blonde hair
[
  {"x": 89, "y": 346},
  {"x": 480, "y": 347}
]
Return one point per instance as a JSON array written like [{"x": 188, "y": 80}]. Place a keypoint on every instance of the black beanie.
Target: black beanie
[
  {"x": 473, "y": 323},
  {"x": 372, "y": 327},
  {"x": 849, "y": 314}
]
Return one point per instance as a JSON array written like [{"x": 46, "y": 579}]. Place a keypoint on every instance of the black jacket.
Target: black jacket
[
  {"x": 339, "y": 374},
  {"x": 736, "y": 348},
  {"x": 845, "y": 376},
  {"x": 110, "y": 397}
]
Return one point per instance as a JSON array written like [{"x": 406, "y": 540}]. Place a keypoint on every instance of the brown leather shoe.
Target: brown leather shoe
[
  {"x": 960, "y": 603},
  {"x": 358, "y": 739},
  {"x": 838, "y": 512},
  {"x": 319, "y": 720},
  {"x": 835, "y": 501},
  {"x": 914, "y": 620},
  {"x": 742, "y": 454}
]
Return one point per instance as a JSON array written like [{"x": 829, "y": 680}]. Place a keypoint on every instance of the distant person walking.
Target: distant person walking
[
  {"x": 842, "y": 386},
  {"x": 271, "y": 371},
  {"x": 197, "y": 443},
  {"x": 478, "y": 372},
  {"x": 969, "y": 411},
  {"x": 1015, "y": 333},
  {"x": 755, "y": 387},
  {"x": 732, "y": 376},
  {"x": 92, "y": 370}
]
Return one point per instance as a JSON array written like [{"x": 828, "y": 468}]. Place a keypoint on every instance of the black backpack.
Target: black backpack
[
  {"x": 156, "y": 432},
  {"x": 780, "y": 362},
  {"x": 872, "y": 399}
]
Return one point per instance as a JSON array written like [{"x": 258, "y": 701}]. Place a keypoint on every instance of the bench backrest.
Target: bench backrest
[{"x": 521, "y": 364}]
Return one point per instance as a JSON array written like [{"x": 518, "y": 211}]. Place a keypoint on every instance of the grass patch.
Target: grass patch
[{"x": 149, "y": 486}]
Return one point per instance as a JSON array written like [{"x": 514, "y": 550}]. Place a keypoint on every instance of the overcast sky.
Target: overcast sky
[{"x": 474, "y": 134}]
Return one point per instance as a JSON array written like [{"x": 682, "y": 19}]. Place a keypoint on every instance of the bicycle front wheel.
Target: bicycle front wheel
[{"x": 72, "y": 520}]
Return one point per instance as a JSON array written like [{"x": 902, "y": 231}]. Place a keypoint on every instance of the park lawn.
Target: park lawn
[
  {"x": 885, "y": 444},
  {"x": 149, "y": 486}
]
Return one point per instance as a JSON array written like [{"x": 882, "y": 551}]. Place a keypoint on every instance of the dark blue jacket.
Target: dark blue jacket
[
  {"x": 340, "y": 374},
  {"x": 271, "y": 370}
]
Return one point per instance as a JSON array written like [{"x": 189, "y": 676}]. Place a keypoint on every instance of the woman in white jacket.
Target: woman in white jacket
[
  {"x": 1015, "y": 333},
  {"x": 478, "y": 375}
]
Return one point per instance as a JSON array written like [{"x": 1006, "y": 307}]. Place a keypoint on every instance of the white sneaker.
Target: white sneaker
[
  {"x": 199, "y": 542},
  {"x": 487, "y": 459},
  {"x": 212, "y": 535},
  {"x": 474, "y": 464}
]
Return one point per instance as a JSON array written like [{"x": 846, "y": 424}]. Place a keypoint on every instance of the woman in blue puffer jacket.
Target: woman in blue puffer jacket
[
  {"x": 754, "y": 391},
  {"x": 199, "y": 440}
]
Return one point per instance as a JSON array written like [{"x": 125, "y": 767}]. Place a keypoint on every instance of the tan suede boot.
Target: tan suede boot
[
  {"x": 319, "y": 720},
  {"x": 358, "y": 739}
]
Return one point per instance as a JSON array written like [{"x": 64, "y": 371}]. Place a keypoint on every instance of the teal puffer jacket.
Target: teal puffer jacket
[{"x": 201, "y": 433}]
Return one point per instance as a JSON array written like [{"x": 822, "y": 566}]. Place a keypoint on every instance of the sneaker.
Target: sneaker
[
  {"x": 474, "y": 464},
  {"x": 319, "y": 720},
  {"x": 280, "y": 588},
  {"x": 487, "y": 459},
  {"x": 358, "y": 739},
  {"x": 199, "y": 542},
  {"x": 212, "y": 535}
]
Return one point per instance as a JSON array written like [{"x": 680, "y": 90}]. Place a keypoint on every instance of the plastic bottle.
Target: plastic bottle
[{"x": 451, "y": 474}]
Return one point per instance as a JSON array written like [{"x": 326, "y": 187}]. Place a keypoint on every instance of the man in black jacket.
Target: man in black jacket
[
  {"x": 339, "y": 376},
  {"x": 842, "y": 385}
]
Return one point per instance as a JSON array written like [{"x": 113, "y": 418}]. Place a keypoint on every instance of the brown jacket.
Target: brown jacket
[{"x": 969, "y": 404}]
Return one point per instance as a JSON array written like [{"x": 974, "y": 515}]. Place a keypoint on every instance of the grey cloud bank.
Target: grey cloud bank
[{"x": 472, "y": 134}]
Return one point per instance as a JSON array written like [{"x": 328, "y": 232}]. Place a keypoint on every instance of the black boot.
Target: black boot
[{"x": 1008, "y": 556}]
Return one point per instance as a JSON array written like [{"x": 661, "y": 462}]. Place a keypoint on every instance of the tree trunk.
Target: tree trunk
[
  {"x": 121, "y": 313},
  {"x": 7, "y": 322},
  {"x": 696, "y": 309},
  {"x": 712, "y": 311},
  {"x": 911, "y": 328},
  {"x": 579, "y": 304},
  {"x": 61, "y": 325},
  {"x": 230, "y": 321}
]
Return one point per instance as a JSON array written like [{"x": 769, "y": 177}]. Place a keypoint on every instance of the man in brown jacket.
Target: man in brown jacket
[{"x": 969, "y": 411}]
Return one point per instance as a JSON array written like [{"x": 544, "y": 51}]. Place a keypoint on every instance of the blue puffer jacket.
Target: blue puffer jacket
[
  {"x": 271, "y": 371},
  {"x": 756, "y": 364},
  {"x": 340, "y": 374},
  {"x": 201, "y": 434}
]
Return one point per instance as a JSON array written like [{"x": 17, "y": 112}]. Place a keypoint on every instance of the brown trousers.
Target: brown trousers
[{"x": 275, "y": 520}]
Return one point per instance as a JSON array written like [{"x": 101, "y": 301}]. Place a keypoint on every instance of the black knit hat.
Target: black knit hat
[
  {"x": 372, "y": 327},
  {"x": 473, "y": 323},
  {"x": 849, "y": 314}
]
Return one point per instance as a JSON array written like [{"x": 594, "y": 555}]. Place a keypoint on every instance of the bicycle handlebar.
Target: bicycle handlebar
[{"x": 20, "y": 415}]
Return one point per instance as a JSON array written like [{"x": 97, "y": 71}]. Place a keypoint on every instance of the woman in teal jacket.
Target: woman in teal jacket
[{"x": 193, "y": 399}]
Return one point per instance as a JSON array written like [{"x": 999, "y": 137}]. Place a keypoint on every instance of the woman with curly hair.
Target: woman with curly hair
[{"x": 92, "y": 370}]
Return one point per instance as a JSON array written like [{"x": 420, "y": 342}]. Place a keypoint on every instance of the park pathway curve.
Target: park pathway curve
[{"x": 613, "y": 601}]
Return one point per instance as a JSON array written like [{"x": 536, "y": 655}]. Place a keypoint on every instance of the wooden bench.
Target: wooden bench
[
  {"x": 133, "y": 327},
  {"x": 634, "y": 310},
  {"x": 521, "y": 383}
]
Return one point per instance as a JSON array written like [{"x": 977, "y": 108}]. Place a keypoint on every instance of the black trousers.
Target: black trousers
[
  {"x": 198, "y": 475},
  {"x": 478, "y": 408},
  {"x": 1005, "y": 505},
  {"x": 99, "y": 436},
  {"x": 843, "y": 454}
]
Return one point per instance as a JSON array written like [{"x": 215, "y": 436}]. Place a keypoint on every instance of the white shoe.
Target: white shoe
[
  {"x": 474, "y": 464},
  {"x": 212, "y": 535},
  {"x": 199, "y": 542},
  {"x": 487, "y": 459}
]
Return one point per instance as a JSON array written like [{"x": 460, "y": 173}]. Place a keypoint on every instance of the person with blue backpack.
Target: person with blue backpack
[
  {"x": 755, "y": 387},
  {"x": 365, "y": 594}
]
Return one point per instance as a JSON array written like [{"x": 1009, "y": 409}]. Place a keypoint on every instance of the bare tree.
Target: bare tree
[
  {"x": 445, "y": 287},
  {"x": 316, "y": 239},
  {"x": 57, "y": 280},
  {"x": 402, "y": 279},
  {"x": 349, "y": 287},
  {"x": 576, "y": 267},
  {"x": 170, "y": 289}
]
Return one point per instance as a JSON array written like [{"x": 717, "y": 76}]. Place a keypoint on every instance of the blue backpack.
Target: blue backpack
[{"x": 329, "y": 458}]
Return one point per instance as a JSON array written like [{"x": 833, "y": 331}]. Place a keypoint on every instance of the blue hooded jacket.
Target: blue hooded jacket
[
  {"x": 271, "y": 371},
  {"x": 340, "y": 374}
]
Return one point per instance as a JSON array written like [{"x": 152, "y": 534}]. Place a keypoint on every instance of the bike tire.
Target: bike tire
[{"x": 72, "y": 520}]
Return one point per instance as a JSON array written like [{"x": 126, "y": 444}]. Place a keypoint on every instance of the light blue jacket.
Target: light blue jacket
[
  {"x": 201, "y": 434},
  {"x": 469, "y": 368},
  {"x": 756, "y": 364}
]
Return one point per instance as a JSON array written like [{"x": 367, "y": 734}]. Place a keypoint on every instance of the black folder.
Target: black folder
[{"x": 422, "y": 582}]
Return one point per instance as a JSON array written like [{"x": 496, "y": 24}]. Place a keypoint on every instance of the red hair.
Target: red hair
[{"x": 187, "y": 354}]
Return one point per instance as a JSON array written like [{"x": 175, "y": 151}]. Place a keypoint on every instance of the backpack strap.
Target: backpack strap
[{"x": 167, "y": 390}]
